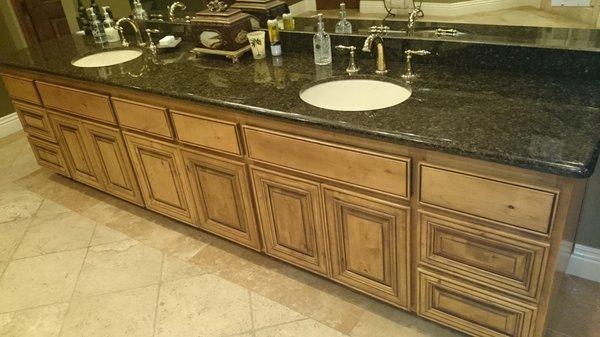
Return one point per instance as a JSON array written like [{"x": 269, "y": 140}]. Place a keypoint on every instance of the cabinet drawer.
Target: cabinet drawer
[
  {"x": 488, "y": 257},
  {"x": 371, "y": 170},
  {"x": 35, "y": 121},
  {"x": 48, "y": 155},
  {"x": 79, "y": 102},
  {"x": 501, "y": 201},
  {"x": 142, "y": 117},
  {"x": 472, "y": 310},
  {"x": 21, "y": 88},
  {"x": 207, "y": 133}
]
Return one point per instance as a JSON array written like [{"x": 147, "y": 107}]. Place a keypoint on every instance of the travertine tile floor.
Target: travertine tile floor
[{"x": 77, "y": 262}]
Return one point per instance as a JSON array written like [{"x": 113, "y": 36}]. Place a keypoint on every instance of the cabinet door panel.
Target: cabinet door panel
[
  {"x": 161, "y": 175},
  {"x": 369, "y": 244},
  {"x": 48, "y": 155},
  {"x": 291, "y": 219},
  {"x": 222, "y": 197},
  {"x": 109, "y": 149},
  {"x": 70, "y": 136}
]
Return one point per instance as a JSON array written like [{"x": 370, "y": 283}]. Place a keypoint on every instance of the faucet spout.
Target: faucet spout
[
  {"x": 136, "y": 30},
  {"x": 375, "y": 38},
  {"x": 173, "y": 7}
]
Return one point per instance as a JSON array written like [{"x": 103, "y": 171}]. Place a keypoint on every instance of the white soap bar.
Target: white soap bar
[{"x": 167, "y": 40}]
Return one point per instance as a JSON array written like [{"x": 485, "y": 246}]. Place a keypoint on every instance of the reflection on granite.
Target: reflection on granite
[{"x": 549, "y": 124}]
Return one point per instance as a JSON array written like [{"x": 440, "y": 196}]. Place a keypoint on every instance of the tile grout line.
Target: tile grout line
[
  {"x": 160, "y": 283},
  {"x": 292, "y": 321}
]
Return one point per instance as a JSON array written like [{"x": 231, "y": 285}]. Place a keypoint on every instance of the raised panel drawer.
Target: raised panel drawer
[
  {"x": 206, "y": 132},
  {"x": 505, "y": 202},
  {"x": 471, "y": 310},
  {"x": 48, "y": 155},
  {"x": 371, "y": 170},
  {"x": 35, "y": 121},
  {"x": 21, "y": 89},
  {"x": 149, "y": 119},
  {"x": 491, "y": 258},
  {"x": 91, "y": 105}
]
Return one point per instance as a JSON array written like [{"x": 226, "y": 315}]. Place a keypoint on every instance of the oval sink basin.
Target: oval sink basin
[
  {"x": 355, "y": 95},
  {"x": 107, "y": 58}
]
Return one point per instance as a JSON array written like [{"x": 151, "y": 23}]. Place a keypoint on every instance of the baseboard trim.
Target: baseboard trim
[
  {"x": 585, "y": 263},
  {"x": 10, "y": 124},
  {"x": 449, "y": 9}
]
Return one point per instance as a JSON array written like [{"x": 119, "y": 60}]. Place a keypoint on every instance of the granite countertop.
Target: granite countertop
[{"x": 548, "y": 124}]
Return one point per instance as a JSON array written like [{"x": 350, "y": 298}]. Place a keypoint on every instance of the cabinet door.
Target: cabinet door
[
  {"x": 70, "y": 135},
  {"x": 108, "y": 148},
  {"x": 368, "y": 238},
  {"x": 222, "y": 197},
  {"x": 291, "y": 219},
  {"x": 161, "y": 175}
]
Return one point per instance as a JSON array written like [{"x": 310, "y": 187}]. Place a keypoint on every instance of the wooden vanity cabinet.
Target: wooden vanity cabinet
[
  {"x": 222, "y": 197},
  {"x": 161, "y": 175},
  {"x": 291, "y": 217}
]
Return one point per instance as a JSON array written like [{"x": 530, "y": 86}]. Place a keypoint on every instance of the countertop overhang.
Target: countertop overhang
[{"x": 542, "y": 123}]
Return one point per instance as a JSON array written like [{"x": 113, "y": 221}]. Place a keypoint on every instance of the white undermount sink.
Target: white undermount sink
[
  {"x": 107, "y": 58},
  {"x": 355, "y": 95}
]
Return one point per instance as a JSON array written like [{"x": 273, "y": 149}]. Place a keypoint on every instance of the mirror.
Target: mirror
[{"x": 159, "y": 8}]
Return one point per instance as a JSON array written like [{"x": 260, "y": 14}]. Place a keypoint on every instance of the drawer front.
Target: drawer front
[
  {"x": 207, "y": 133},
  {"x": 513, "y": 204},
  {"x": 491, "y": 258},
  {"x": 142, "y": 117},
  {"x": 79, "y": 102},
  {"x": 21, "y": 88},
  {"x": 366, "y": 169},
  {"x": 474, "y": 311},
  {"x": 35, "y": 121},
  {"x": 48, "y": 155}
]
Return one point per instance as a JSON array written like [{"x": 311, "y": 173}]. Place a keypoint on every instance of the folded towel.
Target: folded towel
[{"x": 167, "y": 41}]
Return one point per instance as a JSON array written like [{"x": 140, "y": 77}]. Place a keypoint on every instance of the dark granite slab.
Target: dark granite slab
[{"x": 544, "y": 123}]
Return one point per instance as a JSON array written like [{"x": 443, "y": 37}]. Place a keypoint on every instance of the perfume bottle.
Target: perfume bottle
[
  {"x": 96, "y": 26},
  {"x": 274, "y": 37},
  {"x": 343, "y": 26},
  {"x": 321, "y": 43}
]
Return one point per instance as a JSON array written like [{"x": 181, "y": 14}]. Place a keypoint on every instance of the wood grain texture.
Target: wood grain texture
[
  {"x": 223, "y": 199},
  {"x": 21, "y": 88},
  {"x": 489, "y": 198},
  {"x": 206, "y": 132},
  {"x": 161, "y": 175},
  {"x": 145, "y": 118},
  {"x": 291, "y": 219},
  {"x": 486, "y": 256},
  {"x": 34, "y": 121},
  {"x": 49, "y": 155},
  {"x": 84, "y": 103},
  {"x": 377, "y": 171},
  {"x": 369, "y": 240}
]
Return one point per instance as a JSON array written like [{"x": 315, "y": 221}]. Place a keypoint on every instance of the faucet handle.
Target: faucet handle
[
  {"x": 409, "y": 75},
  {"x": 352, "y": 68},
  {"x": 410, "y": 52},
  {"x": 379, "y": 29},
  {"x": 149, "y": 32}
]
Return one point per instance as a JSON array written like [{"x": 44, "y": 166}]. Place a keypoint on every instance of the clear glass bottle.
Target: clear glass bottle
[
  {"x": 343, "y": 26},
  {"x": 139, "y": 13},
  {"x": 112, "y": 34},
  {"x": 96, "y": 26},
  {"x": 321, "y": 43}
]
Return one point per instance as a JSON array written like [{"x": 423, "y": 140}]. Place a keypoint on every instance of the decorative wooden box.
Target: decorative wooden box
[
  {"x": 221, "y": 28},
  {"x": 262, "y": 10}
]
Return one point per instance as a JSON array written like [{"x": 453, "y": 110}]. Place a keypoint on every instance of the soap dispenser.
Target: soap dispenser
[
  {"x": 343, "y": 26},
  {"x": 96, "y": 26},
  {"x": 112, "y": 34},
  {"x": 321, "y": 43},
  {"x": 139, "y": 13},
  {"x": 96, "y": 8}
]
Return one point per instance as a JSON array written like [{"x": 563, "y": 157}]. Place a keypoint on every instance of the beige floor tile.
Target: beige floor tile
[
  {"x": 17, "y": 203},
  {"x": 103, "y": 235},
  {"x": 128, "y": 313},
  {"x": 267, "y": 313},
  {"x": 49, "y": 208},
  {"x": 119, "y": 266},
  {"x": 304, "y": 328},
  {"x": 64, "y": 231},
  {"x": 3, "y": 266},
  {"x": 42, "y": 321},
  {"x": 11, "y": 234},
  {"x": 204, "y": 306},
  {"x": 40, "y": 280},
  {"x": 174, "y": 269}
]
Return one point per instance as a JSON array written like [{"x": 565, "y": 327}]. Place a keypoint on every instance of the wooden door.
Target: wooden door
[
  {"x": 161, "y": 175},
  {"x": 222, "y": 196},
  {"x": 70, "y": 135},
  {"x": 108, "y": 148},
  {"x": 368, "y": 239},
  {"x": 291, "y": 219},
  {"x": 41, "y": 20}
]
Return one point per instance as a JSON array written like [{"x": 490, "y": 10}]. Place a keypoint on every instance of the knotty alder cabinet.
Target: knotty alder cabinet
[{"x": 465, "y": 243}]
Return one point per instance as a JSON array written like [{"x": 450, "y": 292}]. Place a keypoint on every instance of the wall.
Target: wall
[
  {"x": 11, "y": 39},
  {"x": 589, "y": 15}
]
